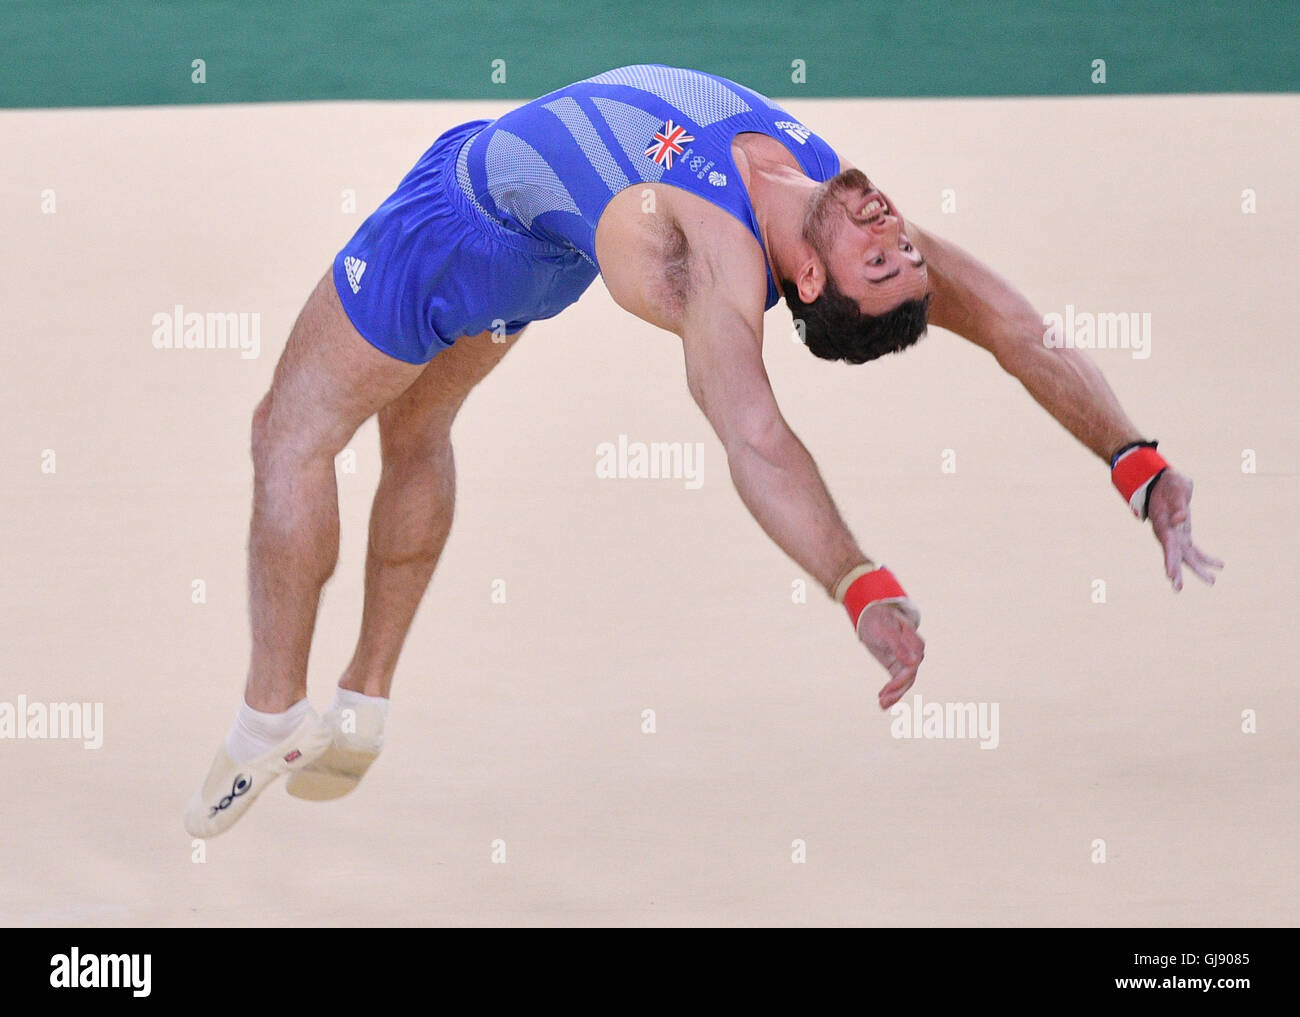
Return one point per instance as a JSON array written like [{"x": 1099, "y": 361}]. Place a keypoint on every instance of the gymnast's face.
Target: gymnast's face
[{"x": 861, "y": 239}]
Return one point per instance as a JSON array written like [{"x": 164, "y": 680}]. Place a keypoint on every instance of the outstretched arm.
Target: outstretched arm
[
  {"x": 978, "y": 304},
  {"x": 776, "y": 477},
  {"x": 772, "y": 470}
]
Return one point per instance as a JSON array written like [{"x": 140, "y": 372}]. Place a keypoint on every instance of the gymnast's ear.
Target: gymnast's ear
[{"x": 810, "y": 278}]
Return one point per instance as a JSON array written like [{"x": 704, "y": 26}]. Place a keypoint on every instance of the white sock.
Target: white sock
[
  {"x": 346, "y": 698},
  {"x": 255, "y": 733}
]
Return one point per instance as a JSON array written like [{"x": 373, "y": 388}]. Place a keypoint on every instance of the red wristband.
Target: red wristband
[
  {"x": 869, "y": 588},
  {"x": 1133, "y": 473}
]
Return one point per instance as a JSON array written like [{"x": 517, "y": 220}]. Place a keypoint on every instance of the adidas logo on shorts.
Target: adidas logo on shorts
[{"x": 354, "y": 267}]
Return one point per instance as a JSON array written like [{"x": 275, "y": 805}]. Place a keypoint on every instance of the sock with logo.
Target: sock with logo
[{"x": 255, "y": 733}]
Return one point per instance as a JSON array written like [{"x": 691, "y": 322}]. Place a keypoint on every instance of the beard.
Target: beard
[{"x": 821, "y": 220}]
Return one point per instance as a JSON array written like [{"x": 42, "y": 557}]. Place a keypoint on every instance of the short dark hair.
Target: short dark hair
[{"x": 835, "y": 329}]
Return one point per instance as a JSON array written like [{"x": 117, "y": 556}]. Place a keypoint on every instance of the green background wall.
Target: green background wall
[{"x": 96, "y": 53}]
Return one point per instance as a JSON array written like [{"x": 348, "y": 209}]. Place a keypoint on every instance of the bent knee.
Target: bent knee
[
  {"x": 275, "y": 439},
  {"x": 407, "y": 441}
]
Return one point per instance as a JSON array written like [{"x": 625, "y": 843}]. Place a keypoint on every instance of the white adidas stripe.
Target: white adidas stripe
[{"x": 354, "y": 267}]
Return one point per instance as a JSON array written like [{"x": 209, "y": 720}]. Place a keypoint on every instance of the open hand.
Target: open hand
[
  {"x": 889, "y": 633},
  {"x": 1171, "y": 520}
]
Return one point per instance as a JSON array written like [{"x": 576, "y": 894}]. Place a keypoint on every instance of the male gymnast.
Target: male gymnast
[{"x": 700, "y": 203}]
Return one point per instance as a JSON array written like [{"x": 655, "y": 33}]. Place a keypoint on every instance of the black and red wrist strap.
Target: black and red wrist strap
[{"x": 1134, "y": 470}]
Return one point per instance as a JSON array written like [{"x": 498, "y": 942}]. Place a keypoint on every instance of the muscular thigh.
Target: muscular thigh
[
  {"x": 328, "y": 381},
  {"x": 425, "y": 411}
]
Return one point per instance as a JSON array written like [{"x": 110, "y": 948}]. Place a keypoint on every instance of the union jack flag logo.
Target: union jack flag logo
[{"x": 668, "y": 143}]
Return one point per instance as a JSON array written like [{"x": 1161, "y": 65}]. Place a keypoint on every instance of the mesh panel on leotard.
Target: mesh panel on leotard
[
  {"x": 464, "y": 181},
  {"x": 633, "y": 128},
  {"x": 584, "y": 133},
  {"x": 521, "y": 182},
  {"x": 703, "y": 99}
]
